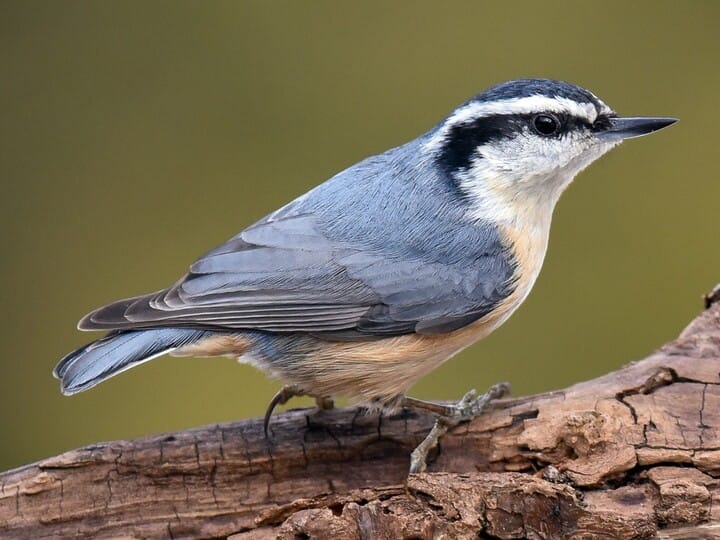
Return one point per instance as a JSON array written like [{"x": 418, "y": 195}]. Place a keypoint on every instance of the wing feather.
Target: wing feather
[{"x": 320, "y": 268}]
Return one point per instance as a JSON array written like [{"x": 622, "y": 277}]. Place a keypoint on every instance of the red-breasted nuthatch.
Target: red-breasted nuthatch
[{"x": 374, "y": 278}]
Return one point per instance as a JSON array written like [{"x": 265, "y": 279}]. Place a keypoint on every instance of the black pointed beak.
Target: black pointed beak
[{"x": 627, "y": 128}]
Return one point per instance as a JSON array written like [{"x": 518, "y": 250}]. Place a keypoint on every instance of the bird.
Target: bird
[{"x": 373, "y": 279}]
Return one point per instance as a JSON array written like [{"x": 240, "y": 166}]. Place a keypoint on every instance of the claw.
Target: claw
[
  {"x": 450, "y": 416},
  {"x": 285, "y": 394}
]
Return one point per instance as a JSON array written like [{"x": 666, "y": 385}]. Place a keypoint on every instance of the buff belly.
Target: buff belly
[{"x": 365, "y": 372}]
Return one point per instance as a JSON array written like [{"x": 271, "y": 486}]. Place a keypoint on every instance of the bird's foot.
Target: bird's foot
[
  {"x": 449, "y": 416},
  {"x": 285, "y": 394}
]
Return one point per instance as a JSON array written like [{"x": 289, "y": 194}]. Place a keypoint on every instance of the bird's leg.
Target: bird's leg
[
  {"x": 285, "y": 394},
  {"x": 449, "y": 416},
  {"x": 324, "y": 403}
]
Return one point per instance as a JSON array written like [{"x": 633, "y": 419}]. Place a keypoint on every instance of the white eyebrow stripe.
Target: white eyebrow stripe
[{"x": 522, "y": 105}]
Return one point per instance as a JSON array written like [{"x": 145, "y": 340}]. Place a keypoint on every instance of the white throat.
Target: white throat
[{"x": 519, "y": 196}]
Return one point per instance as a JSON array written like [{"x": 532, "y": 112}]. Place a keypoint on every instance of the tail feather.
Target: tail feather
[{"x": 117, "y": 352}]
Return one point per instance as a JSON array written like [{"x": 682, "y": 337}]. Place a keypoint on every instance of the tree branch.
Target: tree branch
[{"x": 627, "y": 455}]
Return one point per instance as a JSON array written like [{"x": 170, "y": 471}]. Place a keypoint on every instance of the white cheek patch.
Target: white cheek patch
[
  {"x": 527, "y": 155},
  {"x": 535, "y": 177}
]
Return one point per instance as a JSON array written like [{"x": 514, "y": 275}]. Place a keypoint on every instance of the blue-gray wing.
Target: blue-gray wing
[
  {"x": 384, "y": 248},
  {"x": 288, "y": 274}
]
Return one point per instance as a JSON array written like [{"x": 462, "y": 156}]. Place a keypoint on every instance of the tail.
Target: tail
[{"x": 117, "y": 352}]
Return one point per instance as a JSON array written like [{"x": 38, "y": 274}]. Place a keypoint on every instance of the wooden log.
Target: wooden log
[{"x": 632, "y": 454}]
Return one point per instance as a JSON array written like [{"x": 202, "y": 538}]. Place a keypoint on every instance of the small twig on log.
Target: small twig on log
[{"x": 627, "y": 455}]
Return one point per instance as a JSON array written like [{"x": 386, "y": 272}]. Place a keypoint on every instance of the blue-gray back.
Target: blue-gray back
[{"x": 383, "y": 248}]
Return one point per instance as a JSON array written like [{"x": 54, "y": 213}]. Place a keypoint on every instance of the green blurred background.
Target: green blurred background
[{"x": 134, "y": 136}]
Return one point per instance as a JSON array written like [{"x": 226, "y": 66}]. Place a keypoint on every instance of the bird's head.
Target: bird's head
[{"x": 519, "y": 144}]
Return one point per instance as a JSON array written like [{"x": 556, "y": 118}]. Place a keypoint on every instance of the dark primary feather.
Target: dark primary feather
[{"x": 384, "y": 248}]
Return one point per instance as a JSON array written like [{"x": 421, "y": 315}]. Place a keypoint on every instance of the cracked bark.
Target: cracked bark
[{"x": 632, "y": 454}]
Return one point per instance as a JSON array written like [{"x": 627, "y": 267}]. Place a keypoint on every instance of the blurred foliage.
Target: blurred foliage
[{"x": 135, "y": 136}]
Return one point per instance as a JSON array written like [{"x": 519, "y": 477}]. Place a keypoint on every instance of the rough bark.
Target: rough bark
[{"x": 632, "y": 454}]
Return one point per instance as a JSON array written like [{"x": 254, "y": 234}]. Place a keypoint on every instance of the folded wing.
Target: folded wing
[{"x": 287, "y": 274}]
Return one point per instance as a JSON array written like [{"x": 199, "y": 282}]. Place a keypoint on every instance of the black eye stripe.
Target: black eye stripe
[
  {"x": 459, "y": 146},
  {"x": 602, "y": 122}
]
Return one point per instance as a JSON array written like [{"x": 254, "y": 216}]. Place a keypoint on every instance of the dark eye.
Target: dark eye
[{"x": 546, "y": 124}]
